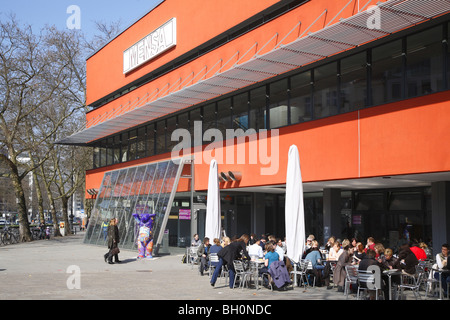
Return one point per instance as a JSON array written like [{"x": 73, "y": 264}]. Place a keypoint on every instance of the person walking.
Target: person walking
[{"x": 113, "y": 242}]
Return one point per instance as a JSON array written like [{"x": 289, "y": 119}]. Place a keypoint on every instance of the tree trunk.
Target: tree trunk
[
  {"x": 56, "y": 232},
  {"x": 65, "y": 207},
  {"x": 40, "y": 200},
  {"x": 24, "y": 226}
]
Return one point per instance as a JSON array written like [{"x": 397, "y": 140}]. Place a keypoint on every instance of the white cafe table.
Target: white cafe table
[
  {"x": 255, "y": 265},
  {"x": 390, "y": 273}
]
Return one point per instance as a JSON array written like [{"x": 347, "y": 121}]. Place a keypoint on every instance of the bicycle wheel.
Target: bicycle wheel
[{"x": 6, "y": 238}]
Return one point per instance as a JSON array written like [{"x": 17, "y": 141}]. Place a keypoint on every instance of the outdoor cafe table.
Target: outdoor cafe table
[
  {"x": 390, "y": 273},
  {"x": 255, "y": 265},
  {"x": 441, "y": 271}
]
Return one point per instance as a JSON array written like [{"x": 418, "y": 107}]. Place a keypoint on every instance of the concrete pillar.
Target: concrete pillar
[
  {"x": 440, "y": 216},
  {"x": 331, "y": 213},
  {"x": 259, "y": 214}
]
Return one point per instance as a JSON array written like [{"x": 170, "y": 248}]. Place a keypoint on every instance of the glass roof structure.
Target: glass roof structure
[{"x": 148, "y": 188}]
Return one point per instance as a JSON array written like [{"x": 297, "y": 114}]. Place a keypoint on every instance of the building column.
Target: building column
[
  {"x": 440, "y": 214},
  {"x": 259, "y": 214},
  {"x": 331, "y": 213}
]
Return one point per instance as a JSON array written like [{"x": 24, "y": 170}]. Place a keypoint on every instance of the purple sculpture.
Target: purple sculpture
[{"x": 145, "y": 236}]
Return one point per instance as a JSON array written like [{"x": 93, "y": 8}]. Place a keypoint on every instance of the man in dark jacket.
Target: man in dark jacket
[
  {"x": 228, "y": 254},
  {"x": 407, "y": 260},
  {"x": 369, "y": 260},
  {"x": 202, "y": 253}
]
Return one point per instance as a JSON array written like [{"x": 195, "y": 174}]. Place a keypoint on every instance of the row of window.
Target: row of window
[{"x": 415, "y": 65}]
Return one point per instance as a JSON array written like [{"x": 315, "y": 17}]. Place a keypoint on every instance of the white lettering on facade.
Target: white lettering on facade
[{"x": 157, "y": 42}]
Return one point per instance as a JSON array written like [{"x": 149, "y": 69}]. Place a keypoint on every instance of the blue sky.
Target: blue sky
[{"x": 38, "y": 13}]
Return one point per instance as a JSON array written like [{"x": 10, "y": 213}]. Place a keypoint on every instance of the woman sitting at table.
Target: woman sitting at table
[
  {"x": 316, "y": 261},
  {"x": 387, "y": 261},
  {"x": 335, "y": 251},
  {"x": 359, "y": 253},
  {"x": 269, "y": 257}
]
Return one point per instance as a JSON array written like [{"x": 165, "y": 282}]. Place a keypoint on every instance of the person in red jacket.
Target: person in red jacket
[
  {"x": 370, "y": 244},
  {"x": 418, "y": 252}
]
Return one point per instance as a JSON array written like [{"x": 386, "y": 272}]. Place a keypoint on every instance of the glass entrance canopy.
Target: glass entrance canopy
[{"x": 148, "y": 188}]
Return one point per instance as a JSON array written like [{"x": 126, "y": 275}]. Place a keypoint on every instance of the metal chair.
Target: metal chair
[
  {"x": 301, "y": 269},
  {"x": 310, "y": 272},
  {"x": 193, "y": 256},
  {"x": 351, "y": 278},
  {"x": 213, "y": 260},
  {"x": 411, "y": 282},
  {"x": 241, "y": 274},
  {"x": 427, "y": 279},
  {"x": 369, "y": 280}
]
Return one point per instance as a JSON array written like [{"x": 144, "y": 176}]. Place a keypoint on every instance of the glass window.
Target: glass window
[
  {"x": 161, "y": 137},
  {"x": 387, "y": 72},
  {"x": 240, "y": 111},
  {"x": 150, "y": 140},
  {"x": 117, "y": 146},
  {"x": 300, "y": 97},
  {"x": 102, "y": 153},
  {"x": 194, "y": 116},
  {"x": 258, "y": 108},
  {"x": 369, "y": 201},
  {"x": 424, "y": 63},
  {"x": 278, "y": 105},
  {"x": 353, "y": 82},
  {"x": 224, "y": 115},
  {"x": 405, "y": 201},
  {"x": 182, "y": 124},
  {"x": 325, "y": 90},
  {"x": 141, "y": 143},
  {"x": 209, "y": 117},
  {"x": 109, "y": 151},
  {"x": 123, "y": 147},
  {"x": 132, "y": 145},
  {"x": 96, "y": 157},
  {"x": 171, "y": 127}
]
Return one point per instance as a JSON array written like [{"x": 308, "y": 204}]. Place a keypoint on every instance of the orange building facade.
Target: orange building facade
[{"x": 361, "y": 87}]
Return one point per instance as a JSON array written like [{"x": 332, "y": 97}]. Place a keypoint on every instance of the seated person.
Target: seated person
[
  {"x": 203, "y": 252},
  {"x": 196, "y": 241},
  {"x": 359, "y": 252},
  {"x": 387, "y": 261},
  {"x": 406, "y": 261},
  {"x": 441, "y": 261},
  {"x": 370, "y": 260},
  {"x": 215, "y": 248},
  {"x": 255, "y": 250},
  {"x": 316, "y": 260},
  {"x": 269, "y": 258}
]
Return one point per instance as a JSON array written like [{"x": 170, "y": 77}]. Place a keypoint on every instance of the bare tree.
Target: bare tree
[
  {"x": 30, "y": 77},
  {"x": 43, "y": 99}
]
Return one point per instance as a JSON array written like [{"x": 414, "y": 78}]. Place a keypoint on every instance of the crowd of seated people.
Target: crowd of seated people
[{"x": 328, "y": 261}]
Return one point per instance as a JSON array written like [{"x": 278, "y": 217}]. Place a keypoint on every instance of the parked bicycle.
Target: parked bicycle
[{"x": 8, "y": 236}]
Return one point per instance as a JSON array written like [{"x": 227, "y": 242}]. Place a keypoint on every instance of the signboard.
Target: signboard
[
  {"x": 157, "y": 42},
  {"x": 184, "y": 214},
  {"x": 357, "y": 219}
]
